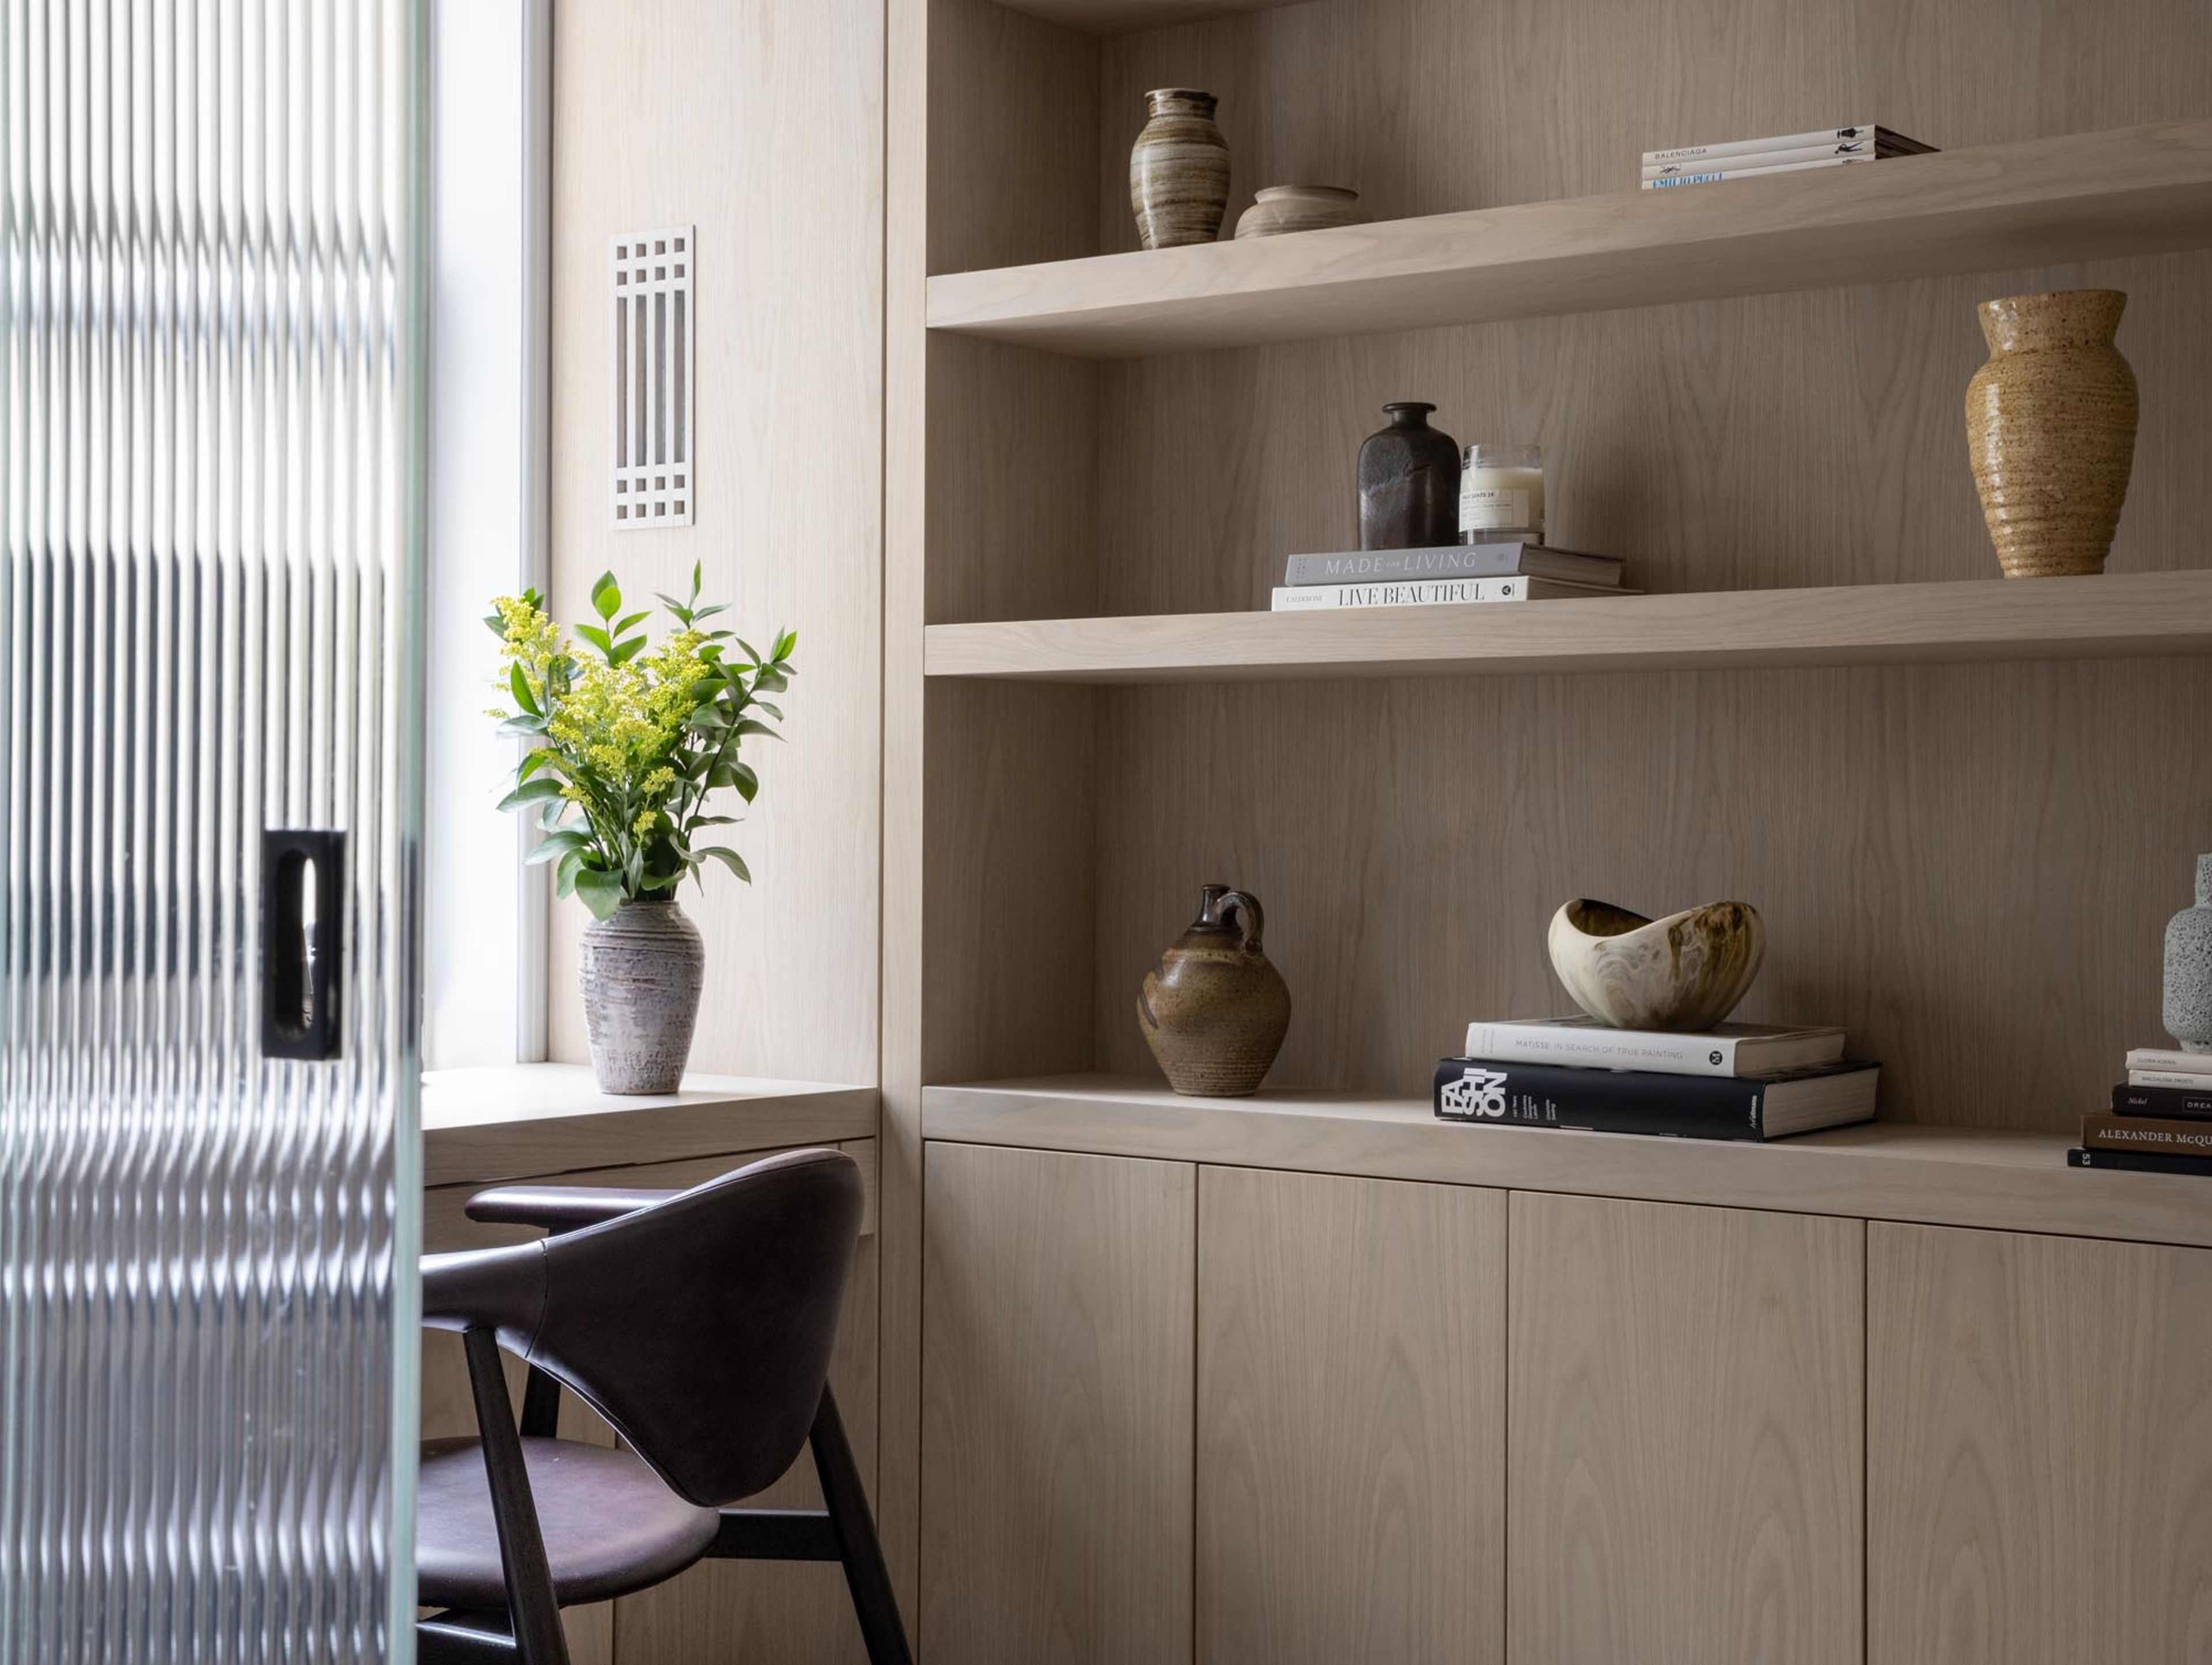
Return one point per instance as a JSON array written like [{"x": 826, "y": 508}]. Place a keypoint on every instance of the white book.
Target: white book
[
  {"x": 1585, "y": 1044},
  {"x": 1864, "y": 130},
  {"x": 1432, "y": 592},
  {"x": 1710, "y": 174},
  {"x": 2170, "y": 1078},
  {"x": 2172, "y": 1059},
  {"x": 1795, "y": 153}
]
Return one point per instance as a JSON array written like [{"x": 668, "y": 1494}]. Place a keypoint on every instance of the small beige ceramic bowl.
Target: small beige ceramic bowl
[{"x": 1285, "y": 208}]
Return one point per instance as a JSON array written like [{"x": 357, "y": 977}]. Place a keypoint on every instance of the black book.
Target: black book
[
  {"x": 2141, "y": 1162},
  {"x": 1480, "y": 1089},
  {"x": 2194, "y": 1103}
]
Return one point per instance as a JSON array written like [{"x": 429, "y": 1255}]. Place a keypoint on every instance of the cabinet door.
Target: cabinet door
[
  {"x": 1685, "y": 1440},
  {"x": 1057, "y": 1298},
  {"x": 1350, "y": 1421},
  {"x": 2040, "y": 1449}
]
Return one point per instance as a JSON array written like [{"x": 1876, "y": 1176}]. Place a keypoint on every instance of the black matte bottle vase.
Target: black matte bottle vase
[{"x": 1408, "y": 482}]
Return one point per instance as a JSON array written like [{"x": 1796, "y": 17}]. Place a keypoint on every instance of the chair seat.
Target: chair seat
[{"x": 612, "y": 1525}]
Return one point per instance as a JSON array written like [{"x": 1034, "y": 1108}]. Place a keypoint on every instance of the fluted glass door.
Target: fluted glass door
[{"x": 208, "y": 803}]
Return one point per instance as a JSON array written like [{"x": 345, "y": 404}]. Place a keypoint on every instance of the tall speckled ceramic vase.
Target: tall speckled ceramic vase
[
  {"x": 1213, "y": 1010},
  {"x": 1179, "y": 170},
  {"x": 641, "y": 971},
  {"x": 2189, "y": 968},
  {"x": 2050, "y": 427}
]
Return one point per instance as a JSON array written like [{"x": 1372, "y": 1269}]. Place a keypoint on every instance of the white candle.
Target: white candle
[{"x": 1501, "y": 492}]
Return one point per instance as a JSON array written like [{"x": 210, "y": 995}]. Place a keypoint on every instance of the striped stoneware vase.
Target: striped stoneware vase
[{"x": 1179, "y": 171}]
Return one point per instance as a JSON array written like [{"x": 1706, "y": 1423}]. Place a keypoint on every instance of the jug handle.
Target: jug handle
[{"x": 1251, "y": 920}]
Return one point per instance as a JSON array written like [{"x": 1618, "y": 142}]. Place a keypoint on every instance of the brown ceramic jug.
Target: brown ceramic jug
[{"x": 1214, "y": 1010}]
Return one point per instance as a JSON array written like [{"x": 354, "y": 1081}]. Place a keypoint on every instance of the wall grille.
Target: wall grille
[{"x": 652, "y": 367}]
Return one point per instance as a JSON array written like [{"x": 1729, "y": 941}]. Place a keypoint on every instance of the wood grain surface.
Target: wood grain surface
[
  {"x": 762, "y": 125},
  {"x": 2111, "y": 615},
  {"x": 1685, "y": 1481},
  {"x": 2095, "y": 196},
  {"x": 1351, "y": 1460},
  {"x": 1056, "y": 1408},
  {"x": 1993, "y": 1177},
  {"x": 1969, "y": 868},
  {"x": 2040, "y": 1450}
]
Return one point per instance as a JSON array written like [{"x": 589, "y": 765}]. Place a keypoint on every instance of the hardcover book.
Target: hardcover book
[
  {"x": 1865, "y": 130},
  {"x": 2171, "y": 1062},
  {"x": 1706, "y": 176},
  {"x": 2194, "y": 1080},
  {"x": 1867, "y": 149},
  {"x": 1433, "y": 592},
  {"x": 1500, "y": 560},
  {"x": 2103, "y": 1131},
  {"x": 2189, "y": 1100},
  {"x": 1509, "y": 1095},
  {"x": 1729, "y": 1049},
  {"x": 2141, "y": 1162}
]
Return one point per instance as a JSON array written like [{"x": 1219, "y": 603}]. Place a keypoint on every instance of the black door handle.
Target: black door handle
[{"x": 303, "y": 891}]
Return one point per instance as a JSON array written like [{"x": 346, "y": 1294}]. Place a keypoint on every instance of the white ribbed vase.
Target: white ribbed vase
[{"x": 641, "y": 972}]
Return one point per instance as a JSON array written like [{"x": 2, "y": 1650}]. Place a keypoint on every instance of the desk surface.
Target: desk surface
[{"x": 526, "y": 1120}]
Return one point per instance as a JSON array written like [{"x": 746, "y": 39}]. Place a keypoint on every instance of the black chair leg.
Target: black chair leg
[
  {"x": 866, "y": 1576},
  {"x": 530, "y": 1602}
]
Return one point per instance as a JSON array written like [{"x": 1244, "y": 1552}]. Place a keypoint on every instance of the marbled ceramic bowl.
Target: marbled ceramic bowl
[
  {"x": 1686, "y": 971},
  {"x": 1285, "y": 208}
]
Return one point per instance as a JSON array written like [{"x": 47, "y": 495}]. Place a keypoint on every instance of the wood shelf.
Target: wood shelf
[
  {"x": 2087, "y": 196},
  {"x": 1126, "y": 16},
  {"x": 2011, "y": 1182},
  {"x": 480, "y": 1125},
  {"x": 2111, "y": 615}
]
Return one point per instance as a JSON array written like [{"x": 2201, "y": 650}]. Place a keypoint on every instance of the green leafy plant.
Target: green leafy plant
[{"x": 632, "y": 738}]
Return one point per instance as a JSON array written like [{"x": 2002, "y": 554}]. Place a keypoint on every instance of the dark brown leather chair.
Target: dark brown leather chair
[{"x": 699, "y": 1324}]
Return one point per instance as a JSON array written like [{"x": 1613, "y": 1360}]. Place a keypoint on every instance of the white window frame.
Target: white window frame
[{"x": 484, "y": 913}]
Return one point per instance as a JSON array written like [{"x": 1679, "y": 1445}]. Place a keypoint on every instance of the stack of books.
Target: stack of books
[
  {"x": 1787, "y": 153},
  {"x": 1738, "y": 1081},
  {"x": 1454, "y": 574},
  {"x": 2161, "y": 1120}
]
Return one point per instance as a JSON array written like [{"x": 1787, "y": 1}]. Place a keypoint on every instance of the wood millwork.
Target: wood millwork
[
  {"x": 2116, "y": 615},
  {"x": 484, "y": 1124},
  {"x": 761, "y": 126},
  {"x": 1883, "y": 1170},
  {"x": 2129, "y": 190},
  {"x": 1056, "y": 1408},
  {"x": 1350, "y": 1435},
  {"x": 1686, "y": 1412},
  {"x": 1964, "y": 848},
  {"x": 1411, "y": 840},
  {"x": 1119, "y": 16},
  {"x": 2040, "y": 1449}
]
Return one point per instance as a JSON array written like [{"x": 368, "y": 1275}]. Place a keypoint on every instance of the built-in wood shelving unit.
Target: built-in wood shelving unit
[
  {"x": 2098, "y": 196},
  {"x": 2110, "y": 616},
  {"x": 1981, "y": 1177}
]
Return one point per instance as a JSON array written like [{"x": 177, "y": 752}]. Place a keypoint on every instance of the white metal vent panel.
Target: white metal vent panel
[{"x": 651, "y": 286}]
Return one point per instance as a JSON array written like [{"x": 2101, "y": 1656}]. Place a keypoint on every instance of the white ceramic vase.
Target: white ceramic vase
[{"x": 641, "y": 972}]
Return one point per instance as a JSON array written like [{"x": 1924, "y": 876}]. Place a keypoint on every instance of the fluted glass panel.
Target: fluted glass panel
[{"x": 208, "y": 489}]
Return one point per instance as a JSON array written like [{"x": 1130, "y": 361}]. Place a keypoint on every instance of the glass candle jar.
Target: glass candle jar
[{"x": 1501, "y": 495}]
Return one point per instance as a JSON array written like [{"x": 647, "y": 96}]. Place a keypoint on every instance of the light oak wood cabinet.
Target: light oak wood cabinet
[
  {"x": 2040, "y": 1449},
  {"x": 1057, "y": 1295},
  {"x": 1351, "y": 1420},
  {"x": 1685, "y": 1446}
]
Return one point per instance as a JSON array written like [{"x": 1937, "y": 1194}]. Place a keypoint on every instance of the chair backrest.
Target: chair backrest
[{"x": 701, "y": 1328}]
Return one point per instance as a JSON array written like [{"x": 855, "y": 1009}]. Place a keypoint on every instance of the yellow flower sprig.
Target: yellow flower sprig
[{"x": 634, "y": 739}]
